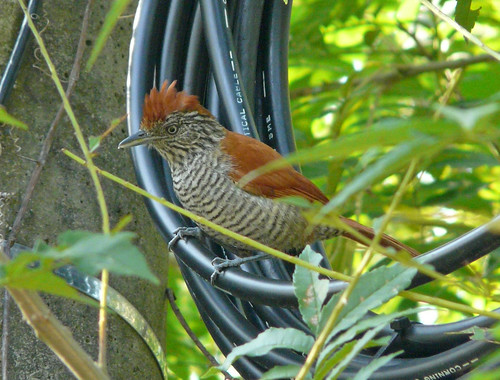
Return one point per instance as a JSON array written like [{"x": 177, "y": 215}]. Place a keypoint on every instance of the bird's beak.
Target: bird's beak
[{"x": 137, "y": 138}]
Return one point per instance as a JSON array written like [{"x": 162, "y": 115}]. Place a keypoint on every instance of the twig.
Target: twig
[
  {"x": 103, "y": 320},
  {"x": 400, "y": 72},
  {"x": 49, "y": 138},
  {"x": 5, "y": 333},
  {"x": 293, "y": 259},
  {"x": 421, "y": 48},
  {"x": 171, "y": 299},
  {"x": 196, "y": 218},
  {"x": 92, "y": 171},
  {"x": 35, "y": 176},
  {"x": 460, "y": 29},
  {"x": 332, "y": 319}
]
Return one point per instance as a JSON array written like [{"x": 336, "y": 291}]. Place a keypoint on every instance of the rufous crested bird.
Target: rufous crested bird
[{"x": 207, "y": 161}]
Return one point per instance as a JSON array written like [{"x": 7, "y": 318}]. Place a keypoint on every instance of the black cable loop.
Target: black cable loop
[
  {"x": 245, "y": 285},
  {"x": 12, "y": 66},
  {"x": 223, "y": 58},
  {"x": 148, "y": 29}
]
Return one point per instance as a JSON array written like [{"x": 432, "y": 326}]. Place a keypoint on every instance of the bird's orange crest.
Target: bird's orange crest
[{"x": 159, "y": 104}]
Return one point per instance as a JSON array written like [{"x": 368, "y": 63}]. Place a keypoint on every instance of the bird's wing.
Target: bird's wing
[{"x": 249, "y": 154}]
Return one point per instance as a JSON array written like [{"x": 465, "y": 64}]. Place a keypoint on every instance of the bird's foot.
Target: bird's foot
[
  {"x": 221, "y": 264},
  {"x": 183, "y": 233}
]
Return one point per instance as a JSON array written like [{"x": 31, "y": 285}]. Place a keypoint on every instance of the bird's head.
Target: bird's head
[{"x": 175, "y": 124}]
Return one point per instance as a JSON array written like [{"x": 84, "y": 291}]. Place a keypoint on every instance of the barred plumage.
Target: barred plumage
[
  {"x": 206, "y": 161},
  {"x": 208, "y": 191}
]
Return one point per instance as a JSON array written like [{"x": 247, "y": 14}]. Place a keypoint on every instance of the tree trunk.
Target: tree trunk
[{"x": 65, "y": 197}]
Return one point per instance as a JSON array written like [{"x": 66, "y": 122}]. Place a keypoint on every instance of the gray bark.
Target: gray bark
[{"x": 65, "y": 196}]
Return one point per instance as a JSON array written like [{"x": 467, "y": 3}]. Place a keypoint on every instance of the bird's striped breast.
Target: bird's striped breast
[{"x": 204, "y": 187}]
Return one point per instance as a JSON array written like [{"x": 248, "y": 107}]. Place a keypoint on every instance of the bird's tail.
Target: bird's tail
[{"x": 385, "y": 240}]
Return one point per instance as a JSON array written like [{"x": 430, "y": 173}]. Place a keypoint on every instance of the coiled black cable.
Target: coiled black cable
[
  {"x": 12, "y": 67},
  {"x": 168, "y": 41}
]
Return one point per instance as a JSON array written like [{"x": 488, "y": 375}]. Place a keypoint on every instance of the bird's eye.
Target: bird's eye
[{"x": 172, "y": 130}]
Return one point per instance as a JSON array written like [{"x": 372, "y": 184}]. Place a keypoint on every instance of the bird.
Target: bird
[{"x": 206, "y": 162}]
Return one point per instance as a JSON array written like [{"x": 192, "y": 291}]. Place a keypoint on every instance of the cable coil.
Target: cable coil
[{"x": 234, "y": 57}]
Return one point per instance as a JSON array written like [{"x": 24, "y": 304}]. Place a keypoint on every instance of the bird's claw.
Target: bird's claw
[
  {"x": 183, "y": 233},
  {"x": 219, "y": 265}
]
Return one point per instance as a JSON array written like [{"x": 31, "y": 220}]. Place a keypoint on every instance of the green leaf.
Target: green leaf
[
  {"x": 388, "y": 164},
  {"x": 283, "y": 372},
  {"x": 11, "y": 120},
  {"x": 332, "y": 361},
  {"x": 359, "y": 327},
  {"x": 353, "y": 351},
  {"x": 94, "y": 143},
  {"x": 373, "y": 289},
  {"x": 310, "y": 290},
  {"x": 117, "y": 8},
  {"x": 367, "y": 371},
  {"x": 93, "y": 252},
  {"x": 296, "y": 201},
  {"x": 383, "y": 134},
  {"x": 477, "y": 333},
  {"x": 269, "y": 340},
  {"x": 468, "y": 118},
  {"x": 466, "y": 16},
  {"x": 41, "y": 280},
  {"x": 21, "y": 272}
]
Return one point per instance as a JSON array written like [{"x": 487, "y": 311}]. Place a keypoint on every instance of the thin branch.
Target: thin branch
[
  {"x": 171, "y": 299},
  {"x": 103, "y": 320},
  {"x": 421, "y": 48},
  {"x": 464, "y": 32},
  {"x": 293, "y": 259},
  {"x": 49, "y": 138},
  {"x": 35, "y": 176},
  {"x": 5, "y": 333},
  {"x": 198, "y": 219},
  {"x": 399, "y": 73},
  {"x": 332, "y": 319},
  {"x": 92, "y": 171}
]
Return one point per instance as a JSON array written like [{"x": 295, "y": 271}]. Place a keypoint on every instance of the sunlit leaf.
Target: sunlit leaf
[
  {"x": 25, "y": 271},
  {"x": 373, "y": 289},
  {"x": 388, "y": 164},
  {"x": 468, "y": 118},
  {"x": 116, "y": 10},
  {"x": 359, "y": 327},
  {"x": 466, "y": 16},
  {"x": 310, "y": 290},
  {"x": 92, "y": 252},
  {"x": 325, "y": 367},
  {"x": 283, "y": 372},
  {"x": 353, "y": 351},
  {"x": 94, "y": 143},
  {"x": 368, "y": 370},
  {"x": 268, "y": 340},
  {"x": 11, "y": 120}
]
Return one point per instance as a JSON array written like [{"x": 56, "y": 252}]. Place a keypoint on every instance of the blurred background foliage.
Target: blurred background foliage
[{"x": 354, "y": 64}]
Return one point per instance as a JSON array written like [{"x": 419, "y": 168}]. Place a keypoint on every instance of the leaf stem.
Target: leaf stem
[
  {"x": 460, "y": 29},
  {"x": 332, "y": 274},
  {"x": 199, "y": 219},
  {"x": 332, "y": 319}
]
